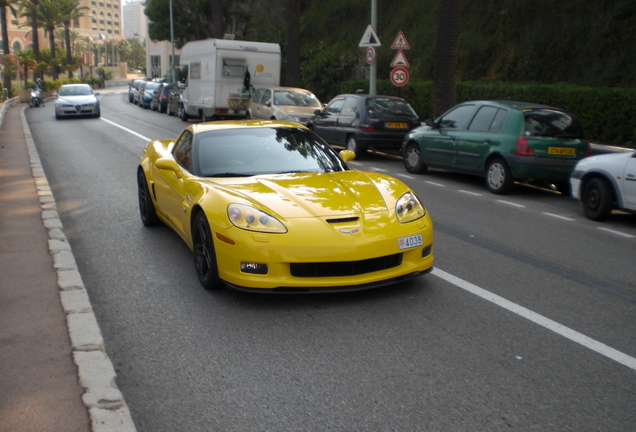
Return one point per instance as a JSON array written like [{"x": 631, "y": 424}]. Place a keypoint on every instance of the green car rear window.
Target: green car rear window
[{"x": 552, "y": 123}]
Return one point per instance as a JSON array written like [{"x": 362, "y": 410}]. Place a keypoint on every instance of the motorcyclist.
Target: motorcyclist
[{"x": 37, "y": 87}]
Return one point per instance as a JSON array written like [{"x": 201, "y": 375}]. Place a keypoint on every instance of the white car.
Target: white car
[
  {"x": 76, "y": 100},
  {"x": 283, "y": 103},
  {"x": 604, "y": 183}
]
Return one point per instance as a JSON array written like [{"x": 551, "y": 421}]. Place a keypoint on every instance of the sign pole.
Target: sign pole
[{"x": 373, "y": 69}]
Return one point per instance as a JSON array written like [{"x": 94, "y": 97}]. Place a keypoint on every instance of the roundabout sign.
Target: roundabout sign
[{"x": 399, "y": 76}]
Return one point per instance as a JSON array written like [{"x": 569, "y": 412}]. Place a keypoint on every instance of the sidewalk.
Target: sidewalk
[{"x": 55, "y": 375}]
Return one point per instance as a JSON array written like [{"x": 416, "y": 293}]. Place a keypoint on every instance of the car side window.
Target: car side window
[
  {"x": 456, "y": 119},
  {"x": 349, "y": 107},
  {"x": 183, "y": 150},
  {"x": 267, "y": 95},
  {"x": 335, "y": 106},
  {"x": 488, "y": 119},
  {"x": 257, "y": 96}
]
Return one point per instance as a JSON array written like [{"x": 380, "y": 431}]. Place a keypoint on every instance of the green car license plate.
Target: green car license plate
[
  {"x": 396, "y": 125},
  {"x": 561, "y": 151}
]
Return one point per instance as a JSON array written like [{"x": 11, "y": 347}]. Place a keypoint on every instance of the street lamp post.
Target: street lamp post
[{"x": 173, "y": 70}]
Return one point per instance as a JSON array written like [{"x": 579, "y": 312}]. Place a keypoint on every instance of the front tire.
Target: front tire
[
  {"x": 598, "y": 199},
  {"x": 183, "y": 115},
  {"x": 499, "y": 177},
  {"x": 413, "y": 161},
  {"x": 146, "y": 207},
  {"x": 204, "y": 254}
]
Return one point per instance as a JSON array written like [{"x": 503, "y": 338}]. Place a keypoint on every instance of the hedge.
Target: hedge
[{"x": 608, "y": 114}]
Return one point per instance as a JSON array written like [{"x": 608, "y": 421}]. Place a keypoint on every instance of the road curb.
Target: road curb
[{"x": 105, "y": 403}]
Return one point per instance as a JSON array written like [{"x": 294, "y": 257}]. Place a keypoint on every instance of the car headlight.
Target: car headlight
[
  {"x": 249, "y": 218},
  {"x": 293, "y": 118},
  {"x": 409, "y": 208}
]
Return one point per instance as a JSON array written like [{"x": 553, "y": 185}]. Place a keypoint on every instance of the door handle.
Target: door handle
[{"x": 487, "y": 140}]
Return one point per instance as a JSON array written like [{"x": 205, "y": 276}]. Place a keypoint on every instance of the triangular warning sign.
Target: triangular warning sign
[
  {"x": 400, "y": 60},
  {"x": 400, "y": 42},
  {"x": 369, "y": 38}
]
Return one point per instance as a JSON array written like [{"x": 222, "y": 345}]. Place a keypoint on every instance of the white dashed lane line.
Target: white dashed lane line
[
  {"x": 619, "y": 233},
  {"x": 512, "y": 204}
]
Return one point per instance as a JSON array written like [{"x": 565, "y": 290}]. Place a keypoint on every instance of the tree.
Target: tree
[
  {"x": 4, "y": 4},
  {"x": 50, "y": 18},
  {"x": 293, "y": 44},
  {"x": 30, "y": 10},
  {"x": 26, "y": 59},
  {"x": 445, "y": 63},
  {"x": 70, "y": 10}
]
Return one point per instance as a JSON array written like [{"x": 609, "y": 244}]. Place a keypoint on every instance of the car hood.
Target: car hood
[
  {"x": 606, "y": 161},
  {"x": 301, "y": 195},
  {"x": 290, "y": 109},
  {"x": 74, "y": 100}
]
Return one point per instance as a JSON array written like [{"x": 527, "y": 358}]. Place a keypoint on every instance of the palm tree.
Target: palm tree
[
  {"x": 70, "y": 10},
  {"x": 4, "y": 4},
  {"x": 30, "y": 10},
  {"x": 26, "y": 59},
  {"x": 50, "y": 18},
  {"x": 445, "y": 63}
]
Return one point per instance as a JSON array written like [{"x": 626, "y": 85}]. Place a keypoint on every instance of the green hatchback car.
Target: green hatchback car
[{"x": 501, "y": 140}]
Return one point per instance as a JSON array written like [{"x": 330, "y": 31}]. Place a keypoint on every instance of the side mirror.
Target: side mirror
[
  {"x": 96, "y": 93},
  {"x": 318, "y": 112},
  {"x": 431, "y": 123},
  {"x": 347, "y": 155},
  {"x": 169, "y": 164}
]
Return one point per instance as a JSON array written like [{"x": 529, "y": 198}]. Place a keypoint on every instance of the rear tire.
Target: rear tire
[
  {"x": 413, "y": 161},
  {"x": 352, "y": 144},
  {"x": 146, "y": 207},
  {"x": 598, "y": 199},
  {"x": 499, "y": 177},
  {"x": 204, "y": 254}
]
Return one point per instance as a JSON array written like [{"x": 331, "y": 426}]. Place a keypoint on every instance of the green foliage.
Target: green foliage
[{"x": 323, "y": 68}]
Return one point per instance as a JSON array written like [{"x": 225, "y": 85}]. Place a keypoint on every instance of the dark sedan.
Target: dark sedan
[
  {"x": 159, "y": 100},
  {"x": 361, "y": 121}
]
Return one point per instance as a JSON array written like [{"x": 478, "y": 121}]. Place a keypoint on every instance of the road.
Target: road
[{"x": 527, "y": 322}]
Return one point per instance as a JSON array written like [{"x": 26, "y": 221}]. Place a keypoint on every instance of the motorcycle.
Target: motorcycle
[{"x": 36, "y": 98}]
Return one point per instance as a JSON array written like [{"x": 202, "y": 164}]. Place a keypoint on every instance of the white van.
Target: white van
[{"x": 222, "y": 75}]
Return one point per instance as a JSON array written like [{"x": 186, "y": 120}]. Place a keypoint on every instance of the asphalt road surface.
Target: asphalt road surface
[{"x": 527, "y": 323}]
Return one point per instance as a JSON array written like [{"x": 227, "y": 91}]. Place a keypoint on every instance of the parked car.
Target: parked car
[
  {"x": 503, "y": 141},
  {"x": 260, "y": 192},
  {"x": 605, "y": 182},
  {"x": 159, "y": 100},
  {"x": 283, "y": 103},
  {"x": 146, "y": 91},
  {"x": 74, "y": 100},
  {"x": 133, "y": 88},
  {"x": 362, "y": 121},
  {"x": 174, "y": 101}
]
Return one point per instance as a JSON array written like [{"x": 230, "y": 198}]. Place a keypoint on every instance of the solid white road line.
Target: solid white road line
[
  {"x": 611, "y": 231},
  {"x": 559, "y": 217},
  {"x": 126, "y": 129},
  {"x": 547, "y": 323}
]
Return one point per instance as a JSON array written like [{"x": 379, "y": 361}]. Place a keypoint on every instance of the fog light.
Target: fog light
[
  {"x": 254, "y": 268},
  {"x": 427, "y": 251}
]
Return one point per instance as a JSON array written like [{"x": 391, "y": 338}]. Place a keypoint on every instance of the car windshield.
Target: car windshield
[
  {"x": 552, "y": 123},
  {"x": 152, "y": 85},
  {"x": 75, "y": 91},
  {"x": 265, "y": 150},
  {"x": 389, "y": 106},
  {"x": 295, "y": 98}
]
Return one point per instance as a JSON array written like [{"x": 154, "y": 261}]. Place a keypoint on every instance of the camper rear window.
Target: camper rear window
[
  {"x": 195, "y": 70},
  {"x": 235, "y": 68}
]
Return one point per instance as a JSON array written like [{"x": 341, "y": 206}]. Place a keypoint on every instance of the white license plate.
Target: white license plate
[{"x": 410, "y": 241}]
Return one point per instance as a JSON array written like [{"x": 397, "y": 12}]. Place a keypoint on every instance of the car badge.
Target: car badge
[{"x": 350, "y": 231}]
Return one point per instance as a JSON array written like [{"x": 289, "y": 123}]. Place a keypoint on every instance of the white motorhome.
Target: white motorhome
[{"x": 222, "y": 74}]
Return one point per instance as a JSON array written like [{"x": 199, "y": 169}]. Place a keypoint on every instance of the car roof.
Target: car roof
[
  {"x": 521, "y": 106},
  {"x": 76, "y": 85},
  {"x": 368, "y": 96},
  {"x": 284, "y": 88}
]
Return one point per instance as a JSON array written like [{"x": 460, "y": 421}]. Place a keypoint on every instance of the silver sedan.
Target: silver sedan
[{"x": 76, "y": 100}]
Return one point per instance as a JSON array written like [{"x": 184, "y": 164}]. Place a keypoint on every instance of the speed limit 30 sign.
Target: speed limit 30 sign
[{"x": 399, "y": 76}]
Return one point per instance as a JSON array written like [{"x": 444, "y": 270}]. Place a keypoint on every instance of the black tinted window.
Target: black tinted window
[
  {"x": 552, "y": 123},
  {"x": 183, "y": 150},
  {"x": 488, "y": 119},
  {"x": 389, "y": 106}
]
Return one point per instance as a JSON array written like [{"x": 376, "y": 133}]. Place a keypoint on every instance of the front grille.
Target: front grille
[{"x": 345, "y": 268}]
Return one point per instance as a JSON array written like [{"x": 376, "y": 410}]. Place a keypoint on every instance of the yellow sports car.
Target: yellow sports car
[{"x": 268, "y": 206}]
